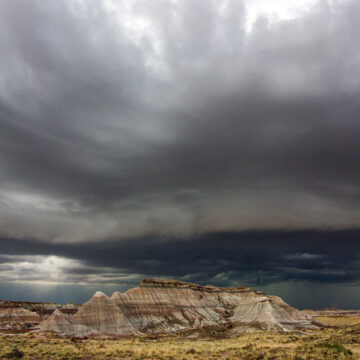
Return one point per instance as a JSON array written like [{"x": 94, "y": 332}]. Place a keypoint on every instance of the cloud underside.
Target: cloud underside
[
  {"x": 224, "y": 259},
  {"x": 123, "y": 120}
]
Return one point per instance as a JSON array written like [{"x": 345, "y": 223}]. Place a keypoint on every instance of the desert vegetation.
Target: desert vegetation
[
  {"x": 345, "y": 320},
  {"x": 331, "y": 343}
]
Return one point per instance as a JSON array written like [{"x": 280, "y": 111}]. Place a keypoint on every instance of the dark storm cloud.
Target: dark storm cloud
[
  {"x": 217, "y": 258},
  {"x": 127, "y": 119}
]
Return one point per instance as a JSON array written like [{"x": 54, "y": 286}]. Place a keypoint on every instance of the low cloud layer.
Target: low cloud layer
[
  {"x": 309, "y": 269},
  {"x": 125, "y": 119},
  {"x": 224, "y": 259}
]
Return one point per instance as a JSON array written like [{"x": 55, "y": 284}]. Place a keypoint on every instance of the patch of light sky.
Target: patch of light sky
[
  {"x": 137, "y": 25},
  {"x": 36, "y": 269},
  {"x": 54, "y": 270},
  {"x": 275, "y": 10}
]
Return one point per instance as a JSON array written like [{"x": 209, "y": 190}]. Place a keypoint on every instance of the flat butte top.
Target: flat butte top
[{"x": 169, "y": 283}]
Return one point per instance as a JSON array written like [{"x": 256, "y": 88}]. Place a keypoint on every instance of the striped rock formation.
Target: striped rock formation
[
  {"x": 168, "y": 306},
  {"x": 20, "y": 315},
  {"x": 63, "y": 324},
  {"x": 18, "y": 318}
]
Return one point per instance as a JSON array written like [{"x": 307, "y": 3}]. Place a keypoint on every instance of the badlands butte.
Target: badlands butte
[{"x": 160, "y": 306}]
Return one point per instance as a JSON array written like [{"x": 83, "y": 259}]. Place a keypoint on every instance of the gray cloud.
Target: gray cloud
[
  {"x": 166, "y": 140},
  {"x": 250, "y": 257},
  {"x": 129, "y": 119},
  {"x": 286, "y": 263}
]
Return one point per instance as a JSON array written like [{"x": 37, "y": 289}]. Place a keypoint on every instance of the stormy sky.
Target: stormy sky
[{"x": 210, "y": 141}]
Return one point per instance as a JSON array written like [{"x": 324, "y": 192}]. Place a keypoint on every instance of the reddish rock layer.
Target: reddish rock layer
[
  {"x": 18, "y": 318},
  {"x": 27, "y": 315}
]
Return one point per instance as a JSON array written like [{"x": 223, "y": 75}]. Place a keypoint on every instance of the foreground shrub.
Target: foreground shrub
[
  {"x": 14, "y": 354},
  {"x": 334, "y": 346}
]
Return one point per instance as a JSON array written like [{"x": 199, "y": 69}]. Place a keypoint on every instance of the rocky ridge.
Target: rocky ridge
[
  {"x": 170, "y": 306},
  {"x": 27, "y": 315}
]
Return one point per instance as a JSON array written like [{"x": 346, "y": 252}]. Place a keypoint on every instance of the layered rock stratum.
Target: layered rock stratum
[
  {"x": 18, "y": 318},
  {"x": 27, "y": 315},
  {"x": 169, "y": 306}
]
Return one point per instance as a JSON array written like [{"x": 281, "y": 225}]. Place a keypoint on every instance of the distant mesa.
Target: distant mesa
[
  {"x": 22, "y": 315},
  {"x": 160, "y": 306},
  {"x": 18, "y": 318}
]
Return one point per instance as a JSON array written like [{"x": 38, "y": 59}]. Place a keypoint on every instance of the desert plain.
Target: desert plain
[{"x": 342, "y": 341}]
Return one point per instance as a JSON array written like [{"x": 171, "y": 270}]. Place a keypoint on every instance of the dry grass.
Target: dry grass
[
  {"x": 342, "y": 343},
  {"x": 347, "y": 320}
]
